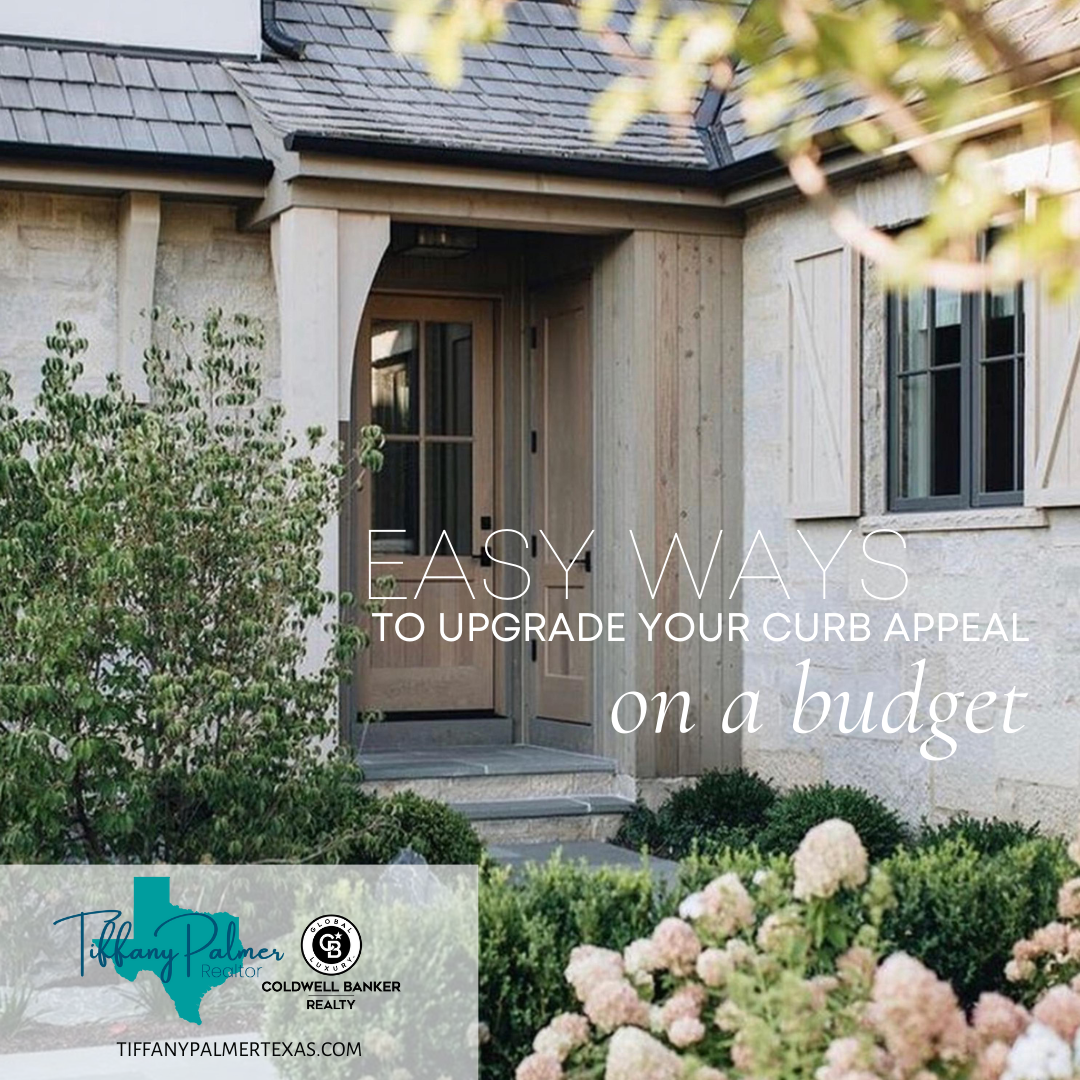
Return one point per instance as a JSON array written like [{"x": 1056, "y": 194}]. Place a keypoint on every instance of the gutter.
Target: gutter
[
  {"x": 244, "y": 168},
  {"x": 276, "y": 36},
  {"x": 676, "y": 176}
]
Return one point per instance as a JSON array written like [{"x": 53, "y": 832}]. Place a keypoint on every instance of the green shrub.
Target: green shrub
[
  {"x": 722, "y": 809},
  {"x": 793, "y": 816},
  {"x": 959, "y": 910},
  {"x": 427, "y": 827},
  {"x": 638, "y": 830},
  {"x": 529, "y": 922},
  {"x": 161, "y": 579},
  {"x": 988, "y": 837}
]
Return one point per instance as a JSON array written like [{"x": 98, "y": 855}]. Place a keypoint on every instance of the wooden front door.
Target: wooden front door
[
  {"x": 563, "y": 493},
  {"x": 429, "y": 366}
]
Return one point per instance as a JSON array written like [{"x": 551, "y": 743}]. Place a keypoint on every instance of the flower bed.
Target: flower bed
[{"x": 782, "y": 972}]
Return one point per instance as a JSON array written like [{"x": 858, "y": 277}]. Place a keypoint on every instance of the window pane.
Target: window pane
[
  {"x": 914, "y": 418},
  {"x": 999, "y": 435},
  {"x": 449, "y": 379},
  {"x": 947, "y": 315},
  {"x": 395, "y": 366},
  {"x": 395, "y": 500},
  {"x": 1001, "y": 323},
  {"x": 945, "y": 408},
  {"x": 914, "y": 331},
  {"x": 448, "y": 498}
]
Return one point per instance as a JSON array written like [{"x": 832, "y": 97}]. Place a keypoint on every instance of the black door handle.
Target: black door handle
[
  {"x": 586, "y": 562},
  {"x": 483, "y": 557}
]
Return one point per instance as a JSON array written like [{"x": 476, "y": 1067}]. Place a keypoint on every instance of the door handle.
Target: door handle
[
  {"x": 586, "y": 562},
  {"x": 482, "y": 557}
]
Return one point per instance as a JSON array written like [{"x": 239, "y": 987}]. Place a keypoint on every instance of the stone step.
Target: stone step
[
  {"x": 563, "y": 818},
  {"x": 480, "y": 773},
  {"x": 501, "y": 788},
  {"x": 439, "y": 732}
]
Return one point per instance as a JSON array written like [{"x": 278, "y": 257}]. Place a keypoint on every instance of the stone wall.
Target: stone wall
[
  {"x": 205, "y": 262},
  {"x": 1028, "y": 562},
  {"x": 58, "y": 260}
]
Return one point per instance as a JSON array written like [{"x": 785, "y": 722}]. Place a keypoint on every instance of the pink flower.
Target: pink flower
[
  {"x": 590, "y": 966},
  {"x": 635, "y": 1055},
  {"x": 996, "y": 1018},
  {"x": 686, "y": 1031},
  {"x": 727, "y": 906},
  {"x": 1019, "y": 970},
  {"x": 640, "y": 960},
  {"x": 611, "y": 1005},
  {"x": 677, "y": 946},
  {"x": 991, "y": 1062},
  {"x": 684, "y": 1004},
  {"x": 1069, "y": 899},
  {"x": 1059, "y": 1010},
  {"x": 707, "y": 1072},
  {"x": 857, "y": 966},
  {"x": 562, "y": 1036},
  {"x": 1051, "y": 939},
  {"x": 916, "y": 1014},
  {"x": 714, "y": 966},
  {"x": 540, "y": 1067},
  {"x": 830, "y": 857}
]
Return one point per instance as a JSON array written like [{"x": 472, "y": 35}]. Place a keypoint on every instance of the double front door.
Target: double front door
[{"x": 426, "y": 378}]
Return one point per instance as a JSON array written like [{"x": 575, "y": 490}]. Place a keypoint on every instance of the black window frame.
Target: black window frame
[{"x": 973, "y": 361}]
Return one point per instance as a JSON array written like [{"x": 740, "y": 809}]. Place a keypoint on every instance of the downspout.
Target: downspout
[{"x": 276, "y": 36}]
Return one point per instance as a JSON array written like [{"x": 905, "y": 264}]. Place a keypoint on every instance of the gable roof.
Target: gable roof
[
  {"x": 523, "y": 103},
  {"x": 69, "y": 101},
  {"x": 527, "y": 95}
]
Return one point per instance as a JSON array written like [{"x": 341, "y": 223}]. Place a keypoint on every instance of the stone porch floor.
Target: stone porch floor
[{"x": 458, "y": 761}]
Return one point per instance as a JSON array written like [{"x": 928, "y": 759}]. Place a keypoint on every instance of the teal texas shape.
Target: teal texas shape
[{"x": 174, "y": 946}]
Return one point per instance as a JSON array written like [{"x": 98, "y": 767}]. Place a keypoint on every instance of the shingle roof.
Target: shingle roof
[
  {"x": 528, "y": 94},
  {"x": 65, "y": 98},
  {"x": 1041, "y": 28}
]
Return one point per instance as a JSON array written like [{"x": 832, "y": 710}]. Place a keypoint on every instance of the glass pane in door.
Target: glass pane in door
[
  {"x": 395, "y": 376},
  {"x": 395, "y": 500},
  {"x": 448, "y": 375},
  {"x": 448, "y": 496}
]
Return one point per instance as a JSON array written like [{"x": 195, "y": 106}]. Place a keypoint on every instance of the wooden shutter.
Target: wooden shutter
[
  {"x": 1052, "y": 398},
  {"x": 823, "y": 386}
]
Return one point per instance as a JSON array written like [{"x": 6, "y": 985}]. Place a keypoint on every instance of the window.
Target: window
[
  {"x": 956, "y": 399},
  {"x": 422, "y": 398}
]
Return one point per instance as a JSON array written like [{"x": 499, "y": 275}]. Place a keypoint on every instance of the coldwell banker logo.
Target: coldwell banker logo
[
  {"x": 190, "y": 952},
  {"x": 331, "y": 944}
]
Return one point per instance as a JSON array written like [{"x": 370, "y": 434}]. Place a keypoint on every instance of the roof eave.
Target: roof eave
[
  {"x": 674, "y": 176},
  {"x": 154, "y": 161}
]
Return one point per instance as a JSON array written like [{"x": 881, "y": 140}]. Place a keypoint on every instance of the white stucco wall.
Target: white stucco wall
[
  {"x": 214, "y": 26},
  {"x": 58, "y": 260},
  {"x": 1035, "y": 571}
]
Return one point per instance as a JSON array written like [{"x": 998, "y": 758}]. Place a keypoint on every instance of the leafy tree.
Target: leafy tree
[
  {"x": 161, "y": 573},
  {"x": 932, "y": 73}
]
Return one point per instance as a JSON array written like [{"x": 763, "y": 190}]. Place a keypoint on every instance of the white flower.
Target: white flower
[
  {"x": 1039, "y": 1054},
  {"x": 831, "y": 856},
  {"x": 640, "y": 961},
  {"x": 693, "y": 907},
  {"x": 635, "y": 1055}
]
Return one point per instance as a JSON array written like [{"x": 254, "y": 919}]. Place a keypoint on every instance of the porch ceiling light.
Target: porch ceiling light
[{"x": 433, "y": 241}]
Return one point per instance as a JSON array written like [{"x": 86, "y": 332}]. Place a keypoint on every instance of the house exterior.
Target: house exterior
[{"x": 575, "y": 342}]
